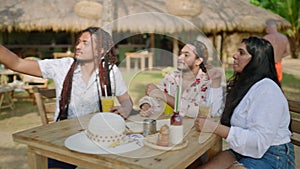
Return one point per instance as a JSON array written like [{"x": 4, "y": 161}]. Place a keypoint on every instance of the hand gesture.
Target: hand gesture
[
  {"x": 153, "y": 91},
  {"x": 146, "y": 110}
]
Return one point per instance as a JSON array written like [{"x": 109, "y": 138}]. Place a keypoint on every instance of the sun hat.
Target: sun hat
[
  {"x": 106, "y": 128},
  {"x": 105, "y": 134}
]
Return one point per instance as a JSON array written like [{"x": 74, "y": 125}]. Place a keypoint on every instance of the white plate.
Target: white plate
[
  {"x": 151, "y": 140},
  {"x": 81, "y": 143}
]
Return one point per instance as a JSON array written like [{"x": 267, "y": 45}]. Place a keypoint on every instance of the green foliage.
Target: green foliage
[{"x": 290, "y": 10}]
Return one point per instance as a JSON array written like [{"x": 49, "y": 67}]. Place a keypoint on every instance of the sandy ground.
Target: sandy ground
[
  {"x": 13, "y": 155},
  {"x": 291, "y": 66}
]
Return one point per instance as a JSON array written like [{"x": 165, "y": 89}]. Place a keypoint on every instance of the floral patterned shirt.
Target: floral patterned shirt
[{"x": 196, "y": 94}]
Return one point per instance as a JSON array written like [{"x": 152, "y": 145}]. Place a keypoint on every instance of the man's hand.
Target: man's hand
[
  {"x": 120, "y": 111},
  {"x": 153, "y": 91},
  {"x": 146, "y": 110}
]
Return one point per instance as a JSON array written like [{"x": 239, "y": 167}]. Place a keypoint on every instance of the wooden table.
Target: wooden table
[
  {"x": 139, "y": 55},
  {"x": 4, "y": 73},
  {"x": 48, "y": 141}
]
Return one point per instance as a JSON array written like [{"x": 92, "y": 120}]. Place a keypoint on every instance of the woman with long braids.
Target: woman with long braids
[
  {"x": 198, "y": 83},
  {"x": 256, "y": 118},
  {"x": 79, "y": 81}
]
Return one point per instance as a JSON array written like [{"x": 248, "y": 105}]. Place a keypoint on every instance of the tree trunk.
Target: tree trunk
[{"x": 295, "y": 49}]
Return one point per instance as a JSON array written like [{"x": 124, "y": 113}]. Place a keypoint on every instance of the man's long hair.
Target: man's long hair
[
  {"x": 200, "y": 52},
  {"x": 261, "y": 66},
  {"x": 106, "y": 61}
]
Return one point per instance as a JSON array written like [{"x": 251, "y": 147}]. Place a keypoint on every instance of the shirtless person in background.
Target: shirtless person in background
[{"x": 280, "y": 45}]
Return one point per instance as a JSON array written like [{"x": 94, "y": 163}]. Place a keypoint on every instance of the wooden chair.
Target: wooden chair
[
  {"x": 5, "y": 97},
  {"x": 294, "y": 107},
  {"x": 27, "y": 84},
  {"x": 45, "y": 101}
]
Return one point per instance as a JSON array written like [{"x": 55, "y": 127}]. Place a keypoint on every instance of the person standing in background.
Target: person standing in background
[{"x": 280, "y": 45}]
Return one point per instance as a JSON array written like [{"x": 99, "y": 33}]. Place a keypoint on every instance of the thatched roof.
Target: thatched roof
[{"x": 75, "y": 15}]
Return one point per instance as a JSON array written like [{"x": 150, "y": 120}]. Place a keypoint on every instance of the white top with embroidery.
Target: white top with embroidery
[
  {"x": 260, "y": 120},
  {"x": 84, "y": 98}
]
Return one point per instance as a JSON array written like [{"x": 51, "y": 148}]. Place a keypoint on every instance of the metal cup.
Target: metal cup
[{"x": 149, "y": 127}]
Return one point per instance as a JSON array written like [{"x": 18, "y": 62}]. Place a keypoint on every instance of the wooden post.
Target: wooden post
[
  {"x": 107, "y": 15},
  {"x": 175, "y": 52}
]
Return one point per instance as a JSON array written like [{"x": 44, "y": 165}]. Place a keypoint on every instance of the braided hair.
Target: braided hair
[{"x": 106, "y": 61}]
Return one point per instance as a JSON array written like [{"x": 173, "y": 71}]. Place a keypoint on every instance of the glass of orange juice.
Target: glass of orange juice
[
  {"x": 168, "y": 109},
  {"x": 107, "y": 103}
]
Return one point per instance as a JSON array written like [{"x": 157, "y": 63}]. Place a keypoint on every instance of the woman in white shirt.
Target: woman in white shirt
[{"x": 256, "y": 118}]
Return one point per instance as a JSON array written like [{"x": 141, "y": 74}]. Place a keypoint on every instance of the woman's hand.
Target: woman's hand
[{"x": 205, "y": 124}]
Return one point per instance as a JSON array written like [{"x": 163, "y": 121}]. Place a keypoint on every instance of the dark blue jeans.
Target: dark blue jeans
[{"x": 58, "y": 164}]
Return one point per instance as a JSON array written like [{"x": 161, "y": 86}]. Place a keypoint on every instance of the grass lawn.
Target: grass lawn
[{"x": 136, "y": 83}]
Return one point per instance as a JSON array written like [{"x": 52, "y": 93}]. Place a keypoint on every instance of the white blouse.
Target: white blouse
[{"x": 260, "y": 120}]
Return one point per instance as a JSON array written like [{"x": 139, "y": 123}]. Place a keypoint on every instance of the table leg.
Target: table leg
[
  {"x": 9, "y": 102},
  {"x": 1, "y": 99},
  {"x": 35, "y": 160},
  {"x": 214, "y": 150},
  {"x": 3, "y": 80},
  {"x": 127, "y": 62},
  {"x": 142, "y": 63},
  {"x": 136, "y": 64},
  {"x": 150, "y": 61}
]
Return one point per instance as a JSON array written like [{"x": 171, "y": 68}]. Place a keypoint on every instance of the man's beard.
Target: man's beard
[
  {"x": 183, "y": 67},
  {"x": 85, "y": 60}
]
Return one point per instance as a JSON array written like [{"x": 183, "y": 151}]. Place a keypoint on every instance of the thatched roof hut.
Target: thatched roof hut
[
  {"x": 74, "y": 15},
  {"x": 216, "y": 18}
]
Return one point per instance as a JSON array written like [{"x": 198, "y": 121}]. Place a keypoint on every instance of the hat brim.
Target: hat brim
[{"x": 81, "y": 143}]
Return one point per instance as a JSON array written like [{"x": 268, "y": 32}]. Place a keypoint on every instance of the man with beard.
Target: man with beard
[
  {"x": 80, "y": 81},
  {"x": 201, "y": 84}
]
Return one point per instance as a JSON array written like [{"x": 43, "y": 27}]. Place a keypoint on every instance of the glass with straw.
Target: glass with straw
[
  {"x": 107, "y": 101},
  {"x": 176, "y": 127}
]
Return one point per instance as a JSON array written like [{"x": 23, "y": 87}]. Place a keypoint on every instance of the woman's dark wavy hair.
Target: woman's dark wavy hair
[
  {"x": 261, "y": 66},
  {"x": 104, "y": 41}
]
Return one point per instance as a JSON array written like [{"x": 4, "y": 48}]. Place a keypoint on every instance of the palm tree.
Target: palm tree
[{"x": 290, "y": 10}]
